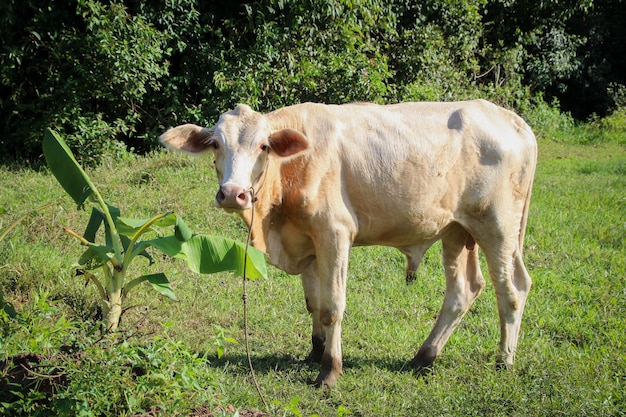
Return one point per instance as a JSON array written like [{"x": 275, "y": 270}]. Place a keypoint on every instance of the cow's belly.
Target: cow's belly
[{"x": 402, "y": 229}]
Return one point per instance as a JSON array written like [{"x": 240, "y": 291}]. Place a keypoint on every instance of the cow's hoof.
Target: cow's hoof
[
  {"x": 504, "y": 361},
  {"x": 420, "y": 368},
  {"x": 329, "y": 372},
  {"x": 422, "y": 363},
  {"x": 422, "y": 371},
  {"x": 502, "y": 365},
  {"x": 410, "y": 277},
  {"x": 326, "y": 379}
]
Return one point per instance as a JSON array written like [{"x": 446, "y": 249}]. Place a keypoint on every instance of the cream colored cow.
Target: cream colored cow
[{"x": 324, "y": 178}]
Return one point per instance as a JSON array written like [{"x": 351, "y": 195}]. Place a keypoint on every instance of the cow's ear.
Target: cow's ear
[
  {"x": 188, "y": 138},
  {"x": 288, "y": 142}
]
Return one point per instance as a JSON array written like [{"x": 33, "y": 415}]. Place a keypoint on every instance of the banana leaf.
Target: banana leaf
[
  {"x": 66, "y": 169},
  {"x": 210, "y": 254}
]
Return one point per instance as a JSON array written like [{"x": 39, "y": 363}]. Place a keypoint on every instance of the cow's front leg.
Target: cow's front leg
[
  {"x": 311, "y": 286},
  {"x": 332, "y": 264}
]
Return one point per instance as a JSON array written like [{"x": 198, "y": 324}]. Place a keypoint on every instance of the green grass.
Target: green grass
[{"x": 571, "y": 355}]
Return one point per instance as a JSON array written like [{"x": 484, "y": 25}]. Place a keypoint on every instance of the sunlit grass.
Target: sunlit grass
[{"x": 571, "y": 358}]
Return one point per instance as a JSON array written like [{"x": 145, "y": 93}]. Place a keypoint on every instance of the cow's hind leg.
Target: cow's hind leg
[
  {"x": 464, "y": 282},
  {"x": 512, "y": 284},
  {"x": 311, "y": 286}
]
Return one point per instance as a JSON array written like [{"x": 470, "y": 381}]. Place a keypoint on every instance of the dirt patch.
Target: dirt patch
[{"x": 28, "y": 371}]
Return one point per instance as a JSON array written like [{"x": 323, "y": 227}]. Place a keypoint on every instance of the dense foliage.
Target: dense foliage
[{"x": 112, "y": 75}]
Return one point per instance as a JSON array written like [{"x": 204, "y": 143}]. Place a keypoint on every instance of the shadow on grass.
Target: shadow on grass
[{"x": 263, "y": 364}]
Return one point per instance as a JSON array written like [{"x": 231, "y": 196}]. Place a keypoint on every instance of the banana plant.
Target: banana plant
[{"x": 126, "y": 239}]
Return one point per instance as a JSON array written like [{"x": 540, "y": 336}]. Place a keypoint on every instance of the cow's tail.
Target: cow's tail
[{"x": 524, "y": 219}]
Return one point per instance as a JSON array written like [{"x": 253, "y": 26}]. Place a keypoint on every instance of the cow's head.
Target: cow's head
[{"x": 242, "y": 143}]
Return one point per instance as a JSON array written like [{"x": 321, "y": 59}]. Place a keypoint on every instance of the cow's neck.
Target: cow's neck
[
  {"x": 276, "y": 185},
  {"x": 268, "y": 195}
]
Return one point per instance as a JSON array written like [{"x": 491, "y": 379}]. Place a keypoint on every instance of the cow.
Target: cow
[{"x": 313, "y": 180}]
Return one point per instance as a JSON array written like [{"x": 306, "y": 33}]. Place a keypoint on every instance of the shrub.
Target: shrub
[
  {"x": 82, "y": 67},
  {"x": 111, "y": 76}
]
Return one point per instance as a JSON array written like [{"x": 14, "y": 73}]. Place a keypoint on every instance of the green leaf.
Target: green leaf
[
  {"x": 98, "y": 253},
  {"x": 66, "y": 169},
  {"x": 140, "y": 248},
  {"x": 182, "y": 231},
  {"x": 95, "y": 221},
  {"x": 129, "y": 227},
  {"x": 158, "y": 281},
  {"x": 211, "y": 254},
  {"x": 162, "y": 285}
]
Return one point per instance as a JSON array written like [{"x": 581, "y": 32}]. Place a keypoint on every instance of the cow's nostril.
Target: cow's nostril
[{"x": 231, "y": 196}]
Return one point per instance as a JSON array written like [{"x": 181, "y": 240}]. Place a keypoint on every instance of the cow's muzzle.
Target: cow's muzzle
[{"x": 233, "y": 197}]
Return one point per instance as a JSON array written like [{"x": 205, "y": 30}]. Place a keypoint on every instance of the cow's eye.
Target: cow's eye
[{"x": 265, "y": 147}]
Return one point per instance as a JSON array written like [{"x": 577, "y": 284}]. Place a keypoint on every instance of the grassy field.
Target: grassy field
[{"x": 571, "y": 357}]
